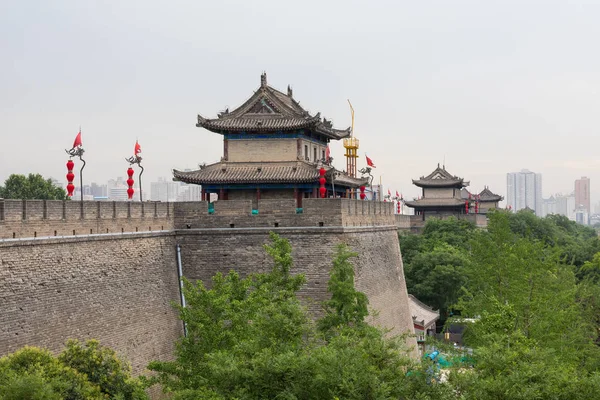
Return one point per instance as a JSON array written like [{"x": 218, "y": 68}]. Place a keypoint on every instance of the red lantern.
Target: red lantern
[
  {"x": 70, "y": 177},
  {"x": 466, "y": 207},
  {"x": 130, "y": 183},
  {"x": 322, "y": 171},
  {"x": 321, "y": 181},
  {"x": 323, "y": 192},
  {"x": 362, "y": 192},
  {"x": 399, "y": 207}
]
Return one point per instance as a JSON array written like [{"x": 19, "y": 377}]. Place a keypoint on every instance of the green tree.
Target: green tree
[
  {"x": 31, "y": 187},
  {"x": 103, "y": 368},
  {"x": 251, "y": 338},
  {"x": 35, "y": 373}
]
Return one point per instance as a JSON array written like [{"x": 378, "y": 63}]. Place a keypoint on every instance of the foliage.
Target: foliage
[
  {"x": 251, "y": 338},
  {"x": 102, "y": 368},
  {"x": 347, "y": 305},
  {"x": 31, "y": 187},
  {"x": 37, "y": 373},
  {"x": 434, "y": 262},
  {"x": 80, "y": 372}
]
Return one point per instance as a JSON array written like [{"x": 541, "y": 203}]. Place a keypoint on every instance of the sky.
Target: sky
[{"x": 486, "y": 87}]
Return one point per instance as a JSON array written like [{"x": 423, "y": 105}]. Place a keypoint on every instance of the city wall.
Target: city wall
[
  {"x": 43, "y": 218},
  {"x": 117, "y": 288},
  {"x": 63, "y": 276}
]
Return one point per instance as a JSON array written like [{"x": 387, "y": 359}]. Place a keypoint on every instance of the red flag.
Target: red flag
[
  {"x": 77, "y": 141},
  {"x": 370, "y": 162},
  {"x": 327, "y": 153},
  {"x": 137, "y": 149},
  {"x": 389, "y": 193},
  {"x": 397, "y": 195}
]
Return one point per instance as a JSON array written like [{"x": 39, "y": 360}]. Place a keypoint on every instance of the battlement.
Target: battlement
[
  {"x": 41, "y": 218},
  {"x": 282, "y": 213},
  {"x": 36, "y": 218}
]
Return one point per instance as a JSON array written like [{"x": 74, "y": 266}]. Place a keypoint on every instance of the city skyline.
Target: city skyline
[{"x": 476, "y": 86}]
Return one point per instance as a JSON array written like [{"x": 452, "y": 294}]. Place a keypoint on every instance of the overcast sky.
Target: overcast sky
[{"x": 490, "y": 86}]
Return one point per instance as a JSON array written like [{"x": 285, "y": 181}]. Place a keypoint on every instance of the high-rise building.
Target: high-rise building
[
  {"x": 565, "y": 205},
  {"x": 164, "y": 190},
  {"x": 582, "y": 194},
  {"x": 524, "y": 190}
]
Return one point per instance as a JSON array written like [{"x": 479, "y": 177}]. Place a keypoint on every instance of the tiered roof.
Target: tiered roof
[
  {"x": 268, "y": 109},
  {"x": 486, "y": 195},
  {"x": 422, "y": 313},
  {"x": 440, "y": 178},
  {"x": 263, "y": 173}
]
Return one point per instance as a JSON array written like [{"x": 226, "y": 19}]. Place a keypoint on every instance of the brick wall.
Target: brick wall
[
  {"x": 378, "y": 267},
  {"x": 40, "y": 218},
  {"x": 260, "y": 150},
  {"x": 115, "y": 288}
]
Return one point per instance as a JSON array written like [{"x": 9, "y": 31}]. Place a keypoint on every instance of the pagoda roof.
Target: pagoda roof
[
  {"x": 268, "y": 109},
  {"x": 263, "y": 173},
  {"x": 433, "y": 203},
  {"x": 485, "y": 195},
  {"x": 440, "y": 178},
  {"x": 421, "y": 312}
]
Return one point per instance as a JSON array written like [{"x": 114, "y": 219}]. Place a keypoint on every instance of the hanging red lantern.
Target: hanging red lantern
[
  {"x": 70, "y": 177},
  {"x": 466, "y": 207},
  {"x": 399, "y": 207},
  {"x": 130, "y": 182},
  {"x": 322, "y": 171},
  {"x": 323, "y": 192},
  {"x": 362, "y": 192},
  {"x": 362, "y": 196},
  {"x": 321, "y": 181}
]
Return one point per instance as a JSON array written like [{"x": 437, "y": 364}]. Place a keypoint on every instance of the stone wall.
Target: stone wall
[
  {"x": 44, "y": 218},
  {"x": 240, "y": 150},
  {"x": 117, "y": 288}
]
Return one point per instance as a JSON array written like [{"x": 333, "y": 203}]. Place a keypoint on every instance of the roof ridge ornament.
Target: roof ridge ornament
[
  {"x": 263, "y": 80},
  {"x": 290, "y": 93}
]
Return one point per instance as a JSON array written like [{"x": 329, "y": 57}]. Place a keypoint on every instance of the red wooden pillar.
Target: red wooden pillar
[
  {"x": 203, "y": 194},
  {"x": 221, "y": 194},
  {"x": 315, "y": 192},
  {"x": 257, "y": 193}
]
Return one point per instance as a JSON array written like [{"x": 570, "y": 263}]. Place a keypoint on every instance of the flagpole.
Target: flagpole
[{"x": 140, "y": 180}]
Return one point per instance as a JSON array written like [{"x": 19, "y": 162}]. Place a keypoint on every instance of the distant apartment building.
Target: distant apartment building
[
  {"x": 189, "y": 192},
  {"x": 164, "y": 190},
  {"x": 524, "y": 190},
  {"x": 565, "y": 205},
  {"x": 582, "y": 194}
]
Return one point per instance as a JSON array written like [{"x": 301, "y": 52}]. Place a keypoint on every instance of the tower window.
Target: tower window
[
  {"x": 314, "y": 154},
  {"x": 306, "y": 152}
]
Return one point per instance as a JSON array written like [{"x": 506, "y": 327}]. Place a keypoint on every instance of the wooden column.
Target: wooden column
[
  {"x": 221, "y": 194},
  {"x": 203, "y": 194},
  {"x": 257, "y": 194}
]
